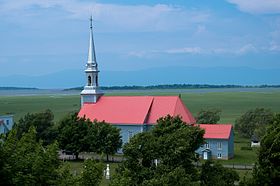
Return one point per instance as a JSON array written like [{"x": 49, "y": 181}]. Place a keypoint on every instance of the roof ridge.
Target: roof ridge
[
  {"x": 149, "y": 110},
  {"x": 174, "y": 110}
]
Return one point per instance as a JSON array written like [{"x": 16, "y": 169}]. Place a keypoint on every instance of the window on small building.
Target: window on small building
[
  {"x": 7, "y": 122},
  {"x": 219, "y": 155},
  {"x": 207, "y": 146},
  {"x": 219, "y": 145}
]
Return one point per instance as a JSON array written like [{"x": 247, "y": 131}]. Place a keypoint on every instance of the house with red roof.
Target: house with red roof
[
  {"x": 135, "y": 114},
  {"x": 219, "y": 142}
]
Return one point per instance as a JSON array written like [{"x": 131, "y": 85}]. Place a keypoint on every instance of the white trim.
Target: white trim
[{"x": 205, "y": 155}]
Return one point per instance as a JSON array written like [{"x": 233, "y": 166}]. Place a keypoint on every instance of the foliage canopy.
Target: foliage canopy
[
  {"x": 208, "y": 116},
  {"x": 162, "y": 156},
  {"x": 267, "y": 167},
  {"x": 80, "y": 135},
  {"x": 254, "y": 122},
  {"x": 43, "y": 123}
]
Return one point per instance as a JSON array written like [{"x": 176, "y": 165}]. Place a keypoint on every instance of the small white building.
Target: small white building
[
  {"x": 6, "y": 123},
  {"x": 255, "y": 141}
]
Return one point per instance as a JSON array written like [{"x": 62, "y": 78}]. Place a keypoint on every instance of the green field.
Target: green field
[{"x": 232, "y": 104}]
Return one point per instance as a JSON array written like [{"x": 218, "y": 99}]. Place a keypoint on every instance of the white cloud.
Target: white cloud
[
  {"x": 186, "y": 50},
  {"x": 274, "y": 47},
  {"x": 239, "y": 50},
  {"x": 130, "y": 17},
  {"x": 200, "y": 29},
  {"x": 258, "y": 6},
  {"x": 138, "y": 54},
  {"x": 246, "y": 49}
]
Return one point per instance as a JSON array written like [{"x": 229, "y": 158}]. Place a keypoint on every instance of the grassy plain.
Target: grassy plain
[{"x": 232, "y": 104}]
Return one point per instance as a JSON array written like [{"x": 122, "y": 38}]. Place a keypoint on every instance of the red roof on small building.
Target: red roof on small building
[
  {"x": 135, "y": 109},
  {"x": 216, "y": 131}
]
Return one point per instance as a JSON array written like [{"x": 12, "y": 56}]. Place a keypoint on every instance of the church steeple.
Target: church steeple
[
  {"x": 91, "y": 92},
  {"x": 91, "y": 49}
]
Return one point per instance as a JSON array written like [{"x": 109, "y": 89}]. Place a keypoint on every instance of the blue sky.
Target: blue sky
[{"x": 48, "y": 36}]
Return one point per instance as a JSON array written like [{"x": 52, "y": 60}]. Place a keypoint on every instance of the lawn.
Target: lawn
[
  {"x": 243, "y": 157},
  {"x": 76, "y": 168}
]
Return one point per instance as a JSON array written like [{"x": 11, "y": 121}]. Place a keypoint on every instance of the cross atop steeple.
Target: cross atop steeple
[{"x": 90, "y": 19}]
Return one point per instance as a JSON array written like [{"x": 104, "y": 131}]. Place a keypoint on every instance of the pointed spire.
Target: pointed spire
[
  {"x": 91, "y": 49},
  {"x": 91, "y": 92}
]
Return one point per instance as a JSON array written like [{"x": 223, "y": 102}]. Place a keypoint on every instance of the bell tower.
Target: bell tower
[{"x": 91, "y": 92}]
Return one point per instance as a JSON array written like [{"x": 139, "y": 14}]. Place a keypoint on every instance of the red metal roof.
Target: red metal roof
[
  {"x": 118, "y": 109},
  {"x": 135, "y": 109},
  {"x": 216, "y": 131},
  {"x": 172, "y": 105}
]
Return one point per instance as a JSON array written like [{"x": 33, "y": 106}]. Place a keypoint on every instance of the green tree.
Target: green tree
[
  {"x": 267, "y": 167},
  {"x": 28, "y": 162},
  {"x": 42, "y": 121},
  {"x": 254, "y": 122},
  {"x": 172, "y": 143},
  {"x": 215, "y": 174},
  {"x": 104, "y": 138},
  {"x": 65, "y": 177},
  {"x": 72, "y": 135},
  {"x": 208, "y": 116},
  {"x": 92, "y": 173}
]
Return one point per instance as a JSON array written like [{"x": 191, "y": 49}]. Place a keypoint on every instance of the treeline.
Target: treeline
[{"x": 176, "y": 86}]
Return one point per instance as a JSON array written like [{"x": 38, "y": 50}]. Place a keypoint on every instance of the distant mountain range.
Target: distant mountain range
[
  {"x": 155, "y": 76},
  {"x": 176, "y": 86}
]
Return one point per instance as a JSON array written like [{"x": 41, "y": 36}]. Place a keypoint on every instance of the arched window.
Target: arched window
[{"x": 89, "y": 80}]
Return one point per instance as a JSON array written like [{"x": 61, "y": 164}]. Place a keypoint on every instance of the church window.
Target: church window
[{"x": 89, "y": 80}]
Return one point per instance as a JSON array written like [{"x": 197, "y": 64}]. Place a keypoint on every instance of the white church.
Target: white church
[{"x": 135, "y": 114}]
